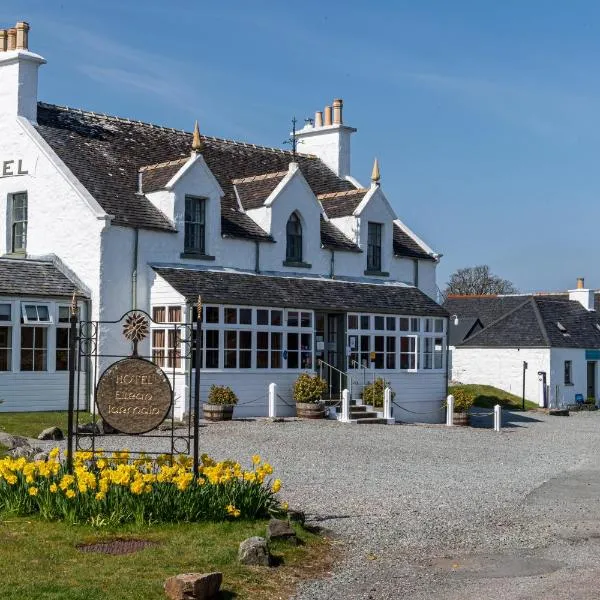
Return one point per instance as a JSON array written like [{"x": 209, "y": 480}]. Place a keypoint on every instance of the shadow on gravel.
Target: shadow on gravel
[{"x": 485, "y": 419}]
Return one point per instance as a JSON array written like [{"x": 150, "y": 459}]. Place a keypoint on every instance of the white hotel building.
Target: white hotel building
[{"x": 295, "y": 260}]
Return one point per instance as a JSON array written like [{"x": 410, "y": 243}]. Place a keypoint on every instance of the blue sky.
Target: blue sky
[{"x": 485, "y": 116}]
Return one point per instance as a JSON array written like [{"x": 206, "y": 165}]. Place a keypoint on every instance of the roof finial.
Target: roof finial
[
  {"x": 375, "y": 175},
  {"x": 197, "y": 144}
]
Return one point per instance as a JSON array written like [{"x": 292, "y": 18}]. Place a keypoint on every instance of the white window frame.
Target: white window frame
[
  {"x": 167, "y": 326},
  {"x": 37, "y": 322},
  {"x": 9, "y": 348}
]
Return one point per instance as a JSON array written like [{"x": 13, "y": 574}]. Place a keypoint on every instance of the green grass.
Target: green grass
[
  {"x": 487, "y": 396},
  {"x": 39, "y": 559},
  {"x": 31, "y": 424}
]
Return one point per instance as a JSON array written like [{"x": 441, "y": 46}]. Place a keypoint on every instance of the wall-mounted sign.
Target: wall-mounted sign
[
  {"x": 13, "y": 168},
  {"x": 592, "y": 355},
  {"x": 320, "y": 346},
  {"x": 134, "y": 395}
]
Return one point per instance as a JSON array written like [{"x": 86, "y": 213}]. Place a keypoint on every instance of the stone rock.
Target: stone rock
[
  {"x": 194, "y": 586},
  {"x": 280, "y": 529},
  {"x": 90, "y": 427},
  {"x": 296, "y": 516},
  {"x": 24, "y": 452},
  {"x": 107, "y": 429},
  {"x": 254, "y": 551},
  {"x": 168, "y": 425},
  {"x": 52, "y": 433},
  {"x": 43, "y": 456},
  {"x": 12, "y": 441}
]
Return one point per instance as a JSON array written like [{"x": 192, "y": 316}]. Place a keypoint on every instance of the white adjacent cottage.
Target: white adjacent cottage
[
  {"x": 295, "y": 260},
  {"x": 549, "y": 342}
]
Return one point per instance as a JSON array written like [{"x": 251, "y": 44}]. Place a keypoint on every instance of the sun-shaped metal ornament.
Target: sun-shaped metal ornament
[{"x": 136, "y": 327}]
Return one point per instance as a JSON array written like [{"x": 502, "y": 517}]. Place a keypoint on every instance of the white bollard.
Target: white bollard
[
  {"x": 450, "y": 410},
  {"x": 387, "y": 403},
  {"x": 497, "y": 417},
  {"x": 272, "y": 400},
  {"x": 345, "y": 406}
]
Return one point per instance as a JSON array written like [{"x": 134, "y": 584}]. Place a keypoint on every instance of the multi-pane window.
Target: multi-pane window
[
  {"x": 5, "y": 338},
  {"x": 34, "y": 348},
  {"x": 18, "y": 222},
  {"x": 195, "y": 225},
  {"x": 63, "y": 337},
  {"x": 35, "y": 313},
  {"x": 374, "y": 247},
  {"x": 409, "y": 352},
  {"x": 293, "y": 251},
  {"x": 166, "y": 341},
  {"x": 433, "y": 352}
]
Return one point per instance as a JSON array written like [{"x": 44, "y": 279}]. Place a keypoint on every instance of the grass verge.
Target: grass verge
[
  {"x": 56, "y": 570},
  {"x": 487, "y": 396},
  {"x": 31, "y": 424}
]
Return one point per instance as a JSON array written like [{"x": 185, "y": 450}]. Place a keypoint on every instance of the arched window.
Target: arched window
[{"x": 293, "y": 229}]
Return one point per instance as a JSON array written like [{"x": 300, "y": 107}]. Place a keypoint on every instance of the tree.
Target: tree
[{"x": 478, "y": 281}]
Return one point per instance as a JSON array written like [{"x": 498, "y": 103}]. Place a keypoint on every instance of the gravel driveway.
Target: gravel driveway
[{"x": 436, "y": 512}]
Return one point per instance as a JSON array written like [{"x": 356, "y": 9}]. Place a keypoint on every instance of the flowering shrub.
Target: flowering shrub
[
  {"x": 115, "y": 489},
  {"x": 463, "y": 399},
  {"x": 221, "y": 394},
  {"x": 309, "y": 388},
  {"x": 373, "y": 393}
]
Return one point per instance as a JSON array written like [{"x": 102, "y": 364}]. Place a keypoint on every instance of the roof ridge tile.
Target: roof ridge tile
[{"x": 261, "y": 177}]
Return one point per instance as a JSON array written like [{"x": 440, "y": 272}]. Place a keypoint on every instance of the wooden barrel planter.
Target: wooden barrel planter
[
  {"x": 218, "y": 412},
  {"x": 460, "y": 418},
  {"x": 310, "y": 410}
]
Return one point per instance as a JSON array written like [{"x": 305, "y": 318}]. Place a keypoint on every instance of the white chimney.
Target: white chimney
[
  {"x": 582, "y": 295},
  {"x": 328, "y": 138},
  {"x": 18, "y": 73}
]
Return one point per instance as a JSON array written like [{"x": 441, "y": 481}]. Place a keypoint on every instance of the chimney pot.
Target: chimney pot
[
  {"x": 327, "y": 113},
  {"x": 11, "y": 39},
  {"x": 319, "y": 118},
  {"x": 580, "y": 283},
  {"x": 22, "y": 41},
  {"x": 2, "y": 40},
  {"x": 338, "y": 104}
]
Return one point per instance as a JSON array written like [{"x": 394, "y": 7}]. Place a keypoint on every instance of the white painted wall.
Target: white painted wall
[
  {"x": 331, "y": 143},
  {"x": 19, "y": 83},
  {"x": 501, "y": 367},
  {"x": 558, "y": 390}
]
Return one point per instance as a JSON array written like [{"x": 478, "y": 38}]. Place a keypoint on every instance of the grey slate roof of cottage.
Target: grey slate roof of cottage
[
  {"x": 534, "y": 323},
  {"x": 486, "y": 308},
  {"x": 404, "y": 245},
  {"x": 342, "y": 204},
  {"x": 289, "y": 292},
  {"x": 253, "y": 191},
  {"x": 465, "y": 327},
  {"x": 333, "y": 239},
  {"x": 38, "y": 278}
]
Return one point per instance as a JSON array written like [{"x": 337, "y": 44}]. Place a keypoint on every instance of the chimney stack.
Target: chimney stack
[
  {"x": 582, "y": 295},
  {"x": 3, "y": 40},
  {"x": 12, "y": 39},
  {"x": 22, "y": 35},
  {"x": 319, "y": 119},
  {"x": 337, "y": 111},
  {"x": 327, "y": 113}
]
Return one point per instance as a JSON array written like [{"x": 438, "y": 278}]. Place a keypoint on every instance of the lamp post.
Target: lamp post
[{"x": 524, "y": 369}]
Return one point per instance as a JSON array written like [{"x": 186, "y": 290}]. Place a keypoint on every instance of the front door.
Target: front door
[
  {"x": 330, "y": 332},
  {"x": 591, "y": 379}
]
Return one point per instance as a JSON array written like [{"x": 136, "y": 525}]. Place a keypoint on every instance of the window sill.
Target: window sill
[
  {"x": 300, "y": 265},
  {"x": 377, "y": 273},
  {"x": 196, "y": 256}
]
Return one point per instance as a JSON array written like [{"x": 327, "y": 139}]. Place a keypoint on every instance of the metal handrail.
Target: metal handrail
[
  {"x": 364, "y": 371},
  {"x": 341, "y": 375}
]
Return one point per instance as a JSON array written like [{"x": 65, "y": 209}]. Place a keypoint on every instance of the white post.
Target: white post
[
  {"x": 272, "y": 400},
  {"x": 450, "y": 410},
  {"x": 387, "y": 403},
  {"x": 345, "y": 406},
  {"x": 497, "y": 417}
]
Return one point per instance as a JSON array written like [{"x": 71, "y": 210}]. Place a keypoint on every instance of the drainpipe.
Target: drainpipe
[
  {"x": 447, "y": 353},
  {"x": 88, "y": 366},
  {"x": 257, "y": 256},
  {"x": 134, "y": 270},
  {"x": 332, "y": 265}
]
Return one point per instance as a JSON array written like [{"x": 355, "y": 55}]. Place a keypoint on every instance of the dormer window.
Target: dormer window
[
  {"x": 195, "y": 225},
  {"x": 18, "y": 223},
  {"x": 374, "y": 247},
  {"x": 293, "y": 230}
]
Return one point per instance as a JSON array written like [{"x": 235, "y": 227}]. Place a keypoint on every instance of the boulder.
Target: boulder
[
  {"x": 24, "y": 452},
  {"x": 13, "y": 441},
  {"x": 41, "y": 456},
  {"x": 280, "y": 529},
  {"x": 52, "y": 433},
  {"x": 194, "y": 586},
  {"x": 254, "y": 551},
  {"x": 90, "y": 427}
]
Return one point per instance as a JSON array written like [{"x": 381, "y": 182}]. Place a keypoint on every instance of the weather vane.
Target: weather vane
[{"x": 292, "y": 140}]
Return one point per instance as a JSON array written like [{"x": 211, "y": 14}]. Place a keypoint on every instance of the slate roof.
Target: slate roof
[
  {"x": 486, "y": 308},
  {"x": 156, "y": 177},
  {"x": 532, "y": 322},
  {"x": 253, "y": 191},
  {"x": 288, "y": 292},
  {"x": 29, "y": 277},
  {"x": 404, "y": 245},
  {"x": 466, "y": 327},
  {"x": 106, "y": 153},
  {"x": 342, "y": 204},
  {"x": 333, "y": 239}
]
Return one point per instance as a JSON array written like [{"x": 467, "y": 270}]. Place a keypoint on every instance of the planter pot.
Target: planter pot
[
  {"x": 460, "y": 418},
  {"x": 218, "y": 412},
  {"x": 310, "y": 410}
]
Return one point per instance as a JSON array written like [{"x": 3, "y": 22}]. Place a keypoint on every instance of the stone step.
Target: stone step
[
  {"x": 363, "y": 415},
  {"x": 371, "y": 421}
]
